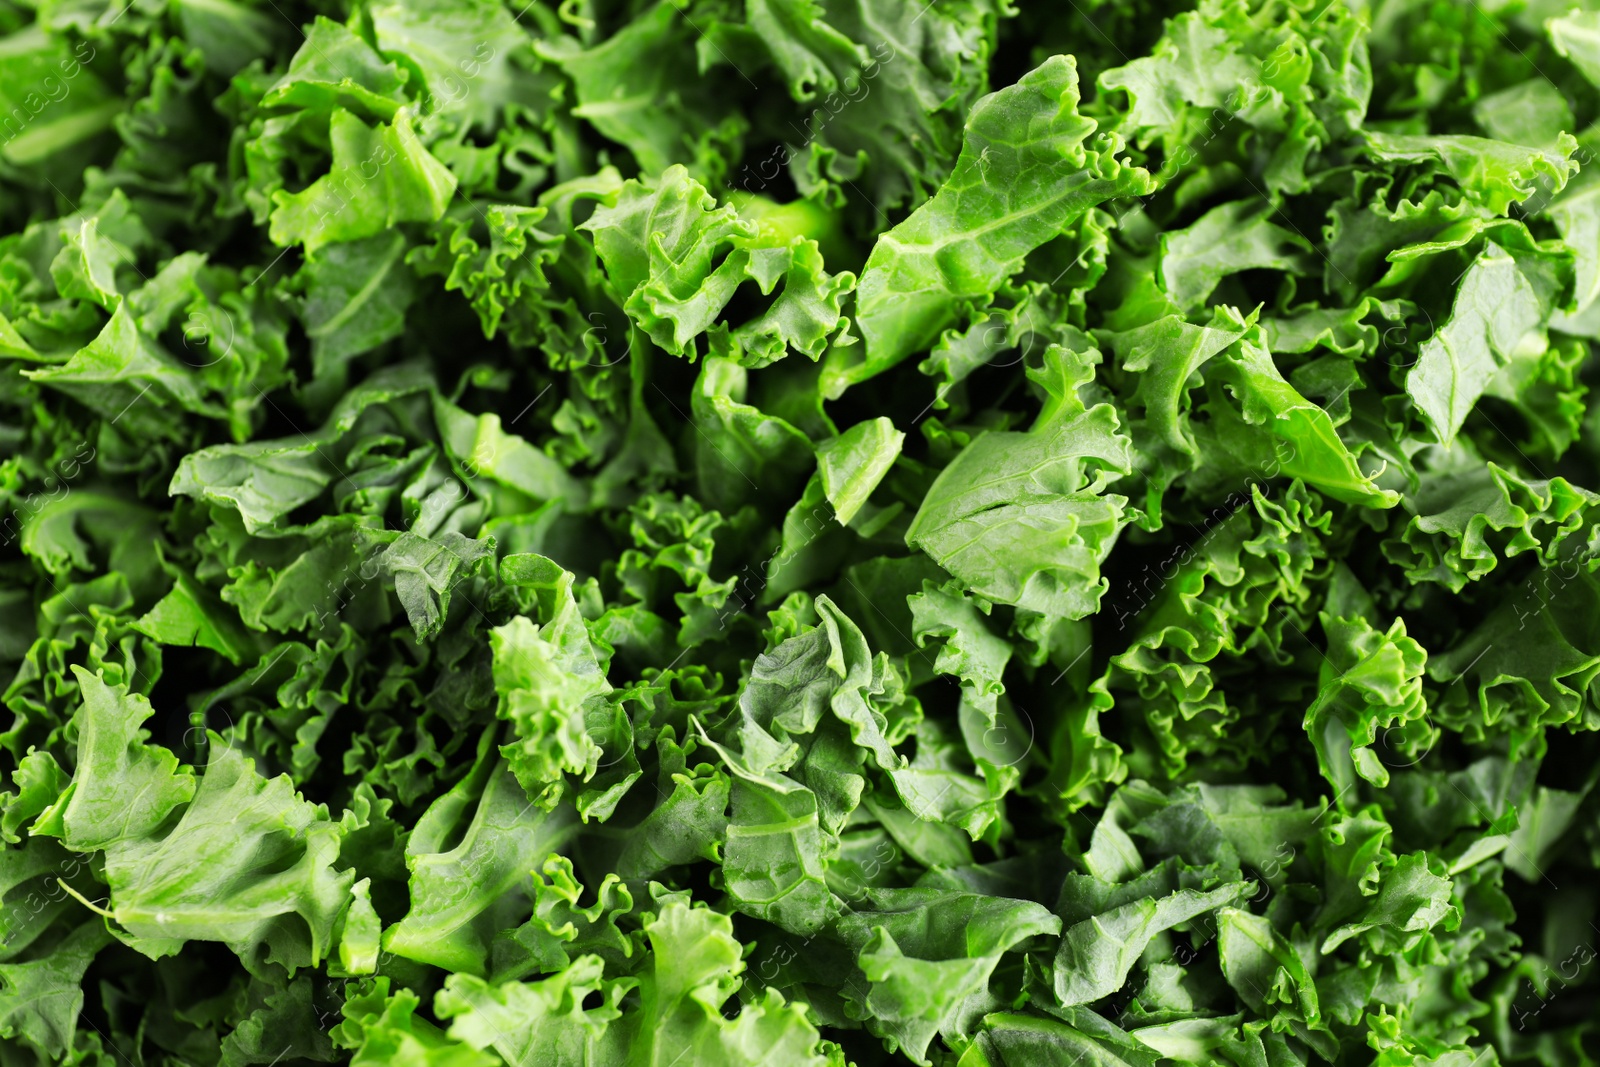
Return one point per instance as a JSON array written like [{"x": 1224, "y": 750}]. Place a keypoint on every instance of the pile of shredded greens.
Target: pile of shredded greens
[{"x": 799, "y": 532}]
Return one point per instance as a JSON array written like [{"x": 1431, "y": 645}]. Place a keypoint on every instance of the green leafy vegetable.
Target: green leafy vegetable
[{"x": 799, "y": 532}]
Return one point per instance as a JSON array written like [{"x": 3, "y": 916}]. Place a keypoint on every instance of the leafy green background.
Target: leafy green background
[{"x": 799, "y": 532}]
